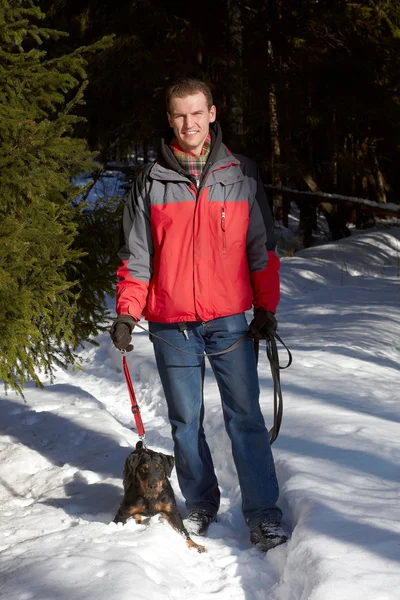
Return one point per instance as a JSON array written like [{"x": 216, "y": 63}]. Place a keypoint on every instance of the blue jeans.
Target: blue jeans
[{"x": 182, "y": 378}]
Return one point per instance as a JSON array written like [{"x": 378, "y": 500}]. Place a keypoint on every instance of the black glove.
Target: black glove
[
  {"x": 264, "y": 320},
  {"x": 121, "y": 331}
]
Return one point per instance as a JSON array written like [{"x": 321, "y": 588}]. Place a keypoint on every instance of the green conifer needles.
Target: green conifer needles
[{"x": 39, "y": 221}]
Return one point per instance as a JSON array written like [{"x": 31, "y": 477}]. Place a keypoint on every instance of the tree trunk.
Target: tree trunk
[
  {"x": 334, "y": 161},
  {"x": 281, "y": 209},
  {"x": 235, "y": 42},
  {"x": 379, "y": 180},
  {"x": 335, "y": 217}
]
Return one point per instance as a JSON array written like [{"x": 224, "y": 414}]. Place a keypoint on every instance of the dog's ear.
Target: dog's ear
[
  {"x": 168, "y": 463},
  {"x": 131, "y": 465}
]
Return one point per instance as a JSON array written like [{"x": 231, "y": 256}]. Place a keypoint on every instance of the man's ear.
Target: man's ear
[
  {"x": 213, "y": 113},
  {"x": 168, "y": 463},
  {"x": 169, "y": 119}
]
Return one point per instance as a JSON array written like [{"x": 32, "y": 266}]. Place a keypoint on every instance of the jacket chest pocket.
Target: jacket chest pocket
[
  {"x": 229, "y": 206},
  {"x": 228, "y": 227}
]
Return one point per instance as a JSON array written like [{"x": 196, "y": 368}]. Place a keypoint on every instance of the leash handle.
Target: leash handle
[
  {"x": 273, "y": 358},
  {"x": 135, "y": 407},
  {"x": 290, "y": 358},
  {"x": 270, "y": 341}
]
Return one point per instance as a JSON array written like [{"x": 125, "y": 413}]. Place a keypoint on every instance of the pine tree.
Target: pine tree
[{"x": 39, "y": 220}]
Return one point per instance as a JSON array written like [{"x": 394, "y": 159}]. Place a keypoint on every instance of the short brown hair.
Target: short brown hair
[{"x": 185, "y": 86}]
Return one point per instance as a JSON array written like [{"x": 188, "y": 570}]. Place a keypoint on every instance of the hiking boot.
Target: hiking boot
[
  {"x": 267, "y": 535},
  {"x": 198, "y": 521}
]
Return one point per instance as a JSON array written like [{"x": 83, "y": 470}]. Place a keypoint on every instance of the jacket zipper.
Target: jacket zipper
[
  {"x": 223, "y": 228},
  {"x": 196, "y": 188}
]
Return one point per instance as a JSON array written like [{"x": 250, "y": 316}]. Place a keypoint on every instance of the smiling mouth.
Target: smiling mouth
[{"x": 190, "y": 132}]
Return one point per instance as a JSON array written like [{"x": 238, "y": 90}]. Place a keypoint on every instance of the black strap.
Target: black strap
[
  {"x": 229, "y": 349},
  {"x": 273, "y": 358}
]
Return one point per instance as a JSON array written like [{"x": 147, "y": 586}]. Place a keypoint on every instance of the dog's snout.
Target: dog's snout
[{"x": 152, "y": 484}]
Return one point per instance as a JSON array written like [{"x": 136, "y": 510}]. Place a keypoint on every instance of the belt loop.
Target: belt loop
[{"x": 183, "y": 328}]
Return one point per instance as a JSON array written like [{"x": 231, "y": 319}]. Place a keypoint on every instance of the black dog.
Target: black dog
[{"x": 147, "y": 491}]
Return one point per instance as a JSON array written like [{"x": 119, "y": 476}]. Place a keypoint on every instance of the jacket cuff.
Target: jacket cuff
[{"x": 266, "y": 284}]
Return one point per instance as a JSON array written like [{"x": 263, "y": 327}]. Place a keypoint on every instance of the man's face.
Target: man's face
[{"x": 190, "y": 118}]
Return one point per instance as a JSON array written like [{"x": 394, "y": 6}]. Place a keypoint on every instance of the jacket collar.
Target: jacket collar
[{"x": 219, "y": 157}]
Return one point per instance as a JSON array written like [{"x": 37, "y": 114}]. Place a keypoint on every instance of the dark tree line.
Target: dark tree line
[{"x": 310, "y": 88}]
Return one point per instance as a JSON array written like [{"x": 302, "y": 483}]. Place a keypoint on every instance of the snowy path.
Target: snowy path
[{"x": 338, "y": 455}]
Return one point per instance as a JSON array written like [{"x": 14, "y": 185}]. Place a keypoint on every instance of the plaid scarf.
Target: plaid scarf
[{"x": 193, "y": 164}]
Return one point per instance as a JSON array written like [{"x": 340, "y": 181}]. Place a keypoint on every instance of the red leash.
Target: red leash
[{"x": 135, "y": 406}]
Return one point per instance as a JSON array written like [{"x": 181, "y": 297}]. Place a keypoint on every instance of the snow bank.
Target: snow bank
[{"x": 62, "y": 453}]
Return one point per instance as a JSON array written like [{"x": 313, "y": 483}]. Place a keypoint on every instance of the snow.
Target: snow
[
  {"x": 62, "y": 451},
  {"x": 111, "y": 184}
]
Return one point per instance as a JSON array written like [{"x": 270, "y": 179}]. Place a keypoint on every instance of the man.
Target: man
[{"x": 196, "y": 256}]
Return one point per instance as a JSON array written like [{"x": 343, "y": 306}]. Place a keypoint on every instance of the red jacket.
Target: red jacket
[{"x": 197, "y": 254}]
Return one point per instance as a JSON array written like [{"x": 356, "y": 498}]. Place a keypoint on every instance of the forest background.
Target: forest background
[{"x": 308, "y": 88}]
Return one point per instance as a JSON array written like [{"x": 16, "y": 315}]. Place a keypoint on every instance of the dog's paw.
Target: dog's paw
[{"x": 198, "y": 547}]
